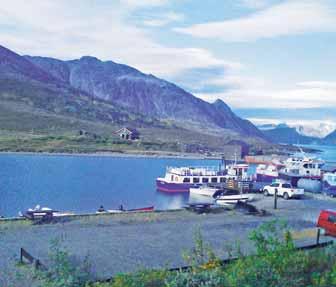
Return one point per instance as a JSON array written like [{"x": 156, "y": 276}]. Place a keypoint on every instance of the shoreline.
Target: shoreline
[{"x": 159, "y": 155}]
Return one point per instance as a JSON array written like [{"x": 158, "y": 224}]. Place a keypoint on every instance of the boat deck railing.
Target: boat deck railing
[{"x": 197, "y": 171}]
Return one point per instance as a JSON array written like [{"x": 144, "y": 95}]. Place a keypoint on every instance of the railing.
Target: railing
[
  {"x": 196, "y": 171},
  {"x": 27, "y": 258}
]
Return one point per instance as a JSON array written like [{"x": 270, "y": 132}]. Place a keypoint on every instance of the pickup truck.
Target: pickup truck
[{"x": 284, "y": 189}]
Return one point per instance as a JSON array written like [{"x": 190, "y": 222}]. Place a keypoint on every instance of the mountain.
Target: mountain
[
  {"x": 140, "y": 93},
  {"x": 331, "y": 138},
  {"x": 55, "y": 97},
  {"x": 288, "y": 135}
]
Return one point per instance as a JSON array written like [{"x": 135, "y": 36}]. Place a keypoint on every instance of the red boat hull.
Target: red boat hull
[{"x": 143, "y": 209}]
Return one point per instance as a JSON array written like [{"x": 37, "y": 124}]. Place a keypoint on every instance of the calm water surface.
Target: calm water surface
[{"x": 83, "y": 183}]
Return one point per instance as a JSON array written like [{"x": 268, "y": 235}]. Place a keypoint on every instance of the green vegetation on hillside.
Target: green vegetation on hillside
[{"x": 79, "y": 144}]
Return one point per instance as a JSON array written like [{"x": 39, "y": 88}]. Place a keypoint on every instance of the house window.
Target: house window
[
  {"x": 196, "y": 180},
  {"x": 205, "y": 180}
]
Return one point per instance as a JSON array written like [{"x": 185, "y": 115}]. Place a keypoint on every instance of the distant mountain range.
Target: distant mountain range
[
  {"x": 94, "y": 91},
  {"x": 331, "y": 138},
  {"x": 283, "y": 133}
]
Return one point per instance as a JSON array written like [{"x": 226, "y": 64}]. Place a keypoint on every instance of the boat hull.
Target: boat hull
[
  {"x": 294, "y": 179},
  {"x": 164, "y": 186},
  {"x": 232, "y": 199},
  {"x": 265, "y": 178},
  {"x": 203, "y": 191}
]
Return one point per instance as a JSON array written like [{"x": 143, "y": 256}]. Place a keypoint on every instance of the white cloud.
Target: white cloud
[
  {"x": 254, "y": 4},
  {"x": 288, "y": 18},
  {"x": 256, "y": 95},
  {"x": 143, "y": 3},
  {"x": 164, "y": 19},
  {"x": 71, "y": 29}
]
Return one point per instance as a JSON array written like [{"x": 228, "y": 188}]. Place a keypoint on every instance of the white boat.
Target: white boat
[
  {"x": 266, "y": 173},
  {"x": 303, "y": 172},
  {"x": 230, "y": 196},
  {"x": 204, "y": 190}
]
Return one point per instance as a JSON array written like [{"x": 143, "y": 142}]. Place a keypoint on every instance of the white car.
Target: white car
[{"x": 284, "y": 189}]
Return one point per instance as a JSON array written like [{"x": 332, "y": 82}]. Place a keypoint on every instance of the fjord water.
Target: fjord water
[{"x": 83, "y": 183}]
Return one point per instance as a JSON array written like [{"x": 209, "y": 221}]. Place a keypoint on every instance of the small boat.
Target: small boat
[
  {"x": 205, "y": 190},
  {"x": 231, "y": 196},
  {"x": 40, "y": 212},
  {"x": 121, "y": 209}
]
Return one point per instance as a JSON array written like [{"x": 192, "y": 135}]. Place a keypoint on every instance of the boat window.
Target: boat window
[
  {"x": 222, "y": 179},
  {"x": 214, "y": 180},
  {"x": 231, "y": 192},
  {"x": 332, "y": 218},
  {"x": 196, "y": 180},
  {"x": 205, "y": 179},
  {"x": 186, "y": 179}
]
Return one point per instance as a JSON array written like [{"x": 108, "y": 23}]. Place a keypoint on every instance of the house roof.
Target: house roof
[{"x": 130, "y": 130}]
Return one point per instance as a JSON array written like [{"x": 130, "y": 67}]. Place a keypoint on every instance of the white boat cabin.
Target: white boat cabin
[
  {"x": 303, "y": 166},
  {"x": 205, "y": 175}
]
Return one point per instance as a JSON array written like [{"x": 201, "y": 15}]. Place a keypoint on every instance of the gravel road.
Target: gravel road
[{"x": 128, "y": 242}]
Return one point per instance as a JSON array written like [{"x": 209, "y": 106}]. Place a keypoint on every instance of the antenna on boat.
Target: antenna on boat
[{"x": 223, "y": 164}]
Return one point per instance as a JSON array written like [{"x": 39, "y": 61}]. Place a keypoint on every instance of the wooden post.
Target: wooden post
[
  {"x": 21, "y": 255},
  {"x": 276, "y": 198},
  {"x": 318, "y": 236}
]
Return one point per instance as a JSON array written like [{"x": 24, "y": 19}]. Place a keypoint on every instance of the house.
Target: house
[{"x": 127, "y": 133}]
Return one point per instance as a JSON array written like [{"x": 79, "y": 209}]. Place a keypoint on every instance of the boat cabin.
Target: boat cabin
[
  {"x": 197, "y": 175},
  {"x": 303, "y": 166}
]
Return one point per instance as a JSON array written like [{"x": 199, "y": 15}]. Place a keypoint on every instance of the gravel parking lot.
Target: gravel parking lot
[{"x": 128, "y": 242}]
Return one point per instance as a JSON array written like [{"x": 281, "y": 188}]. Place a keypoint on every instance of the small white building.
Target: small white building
[{"x": 127, "y": 133}]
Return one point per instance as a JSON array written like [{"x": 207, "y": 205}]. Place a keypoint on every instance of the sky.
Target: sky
[{"x": 256, "y": 55}]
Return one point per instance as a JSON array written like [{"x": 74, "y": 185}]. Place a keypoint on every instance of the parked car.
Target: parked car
[
  {"x": 330, "y": 192},
  {"x": 327, "y": 221},
  {"x": 284, "y": 189}
]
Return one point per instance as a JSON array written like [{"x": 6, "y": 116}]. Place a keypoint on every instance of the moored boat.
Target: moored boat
[
  {"x": 205, "y": 190},
  {"x": 101, "y": 210},
  {"x": 305, "y": 168},
  {"x": 40, "y": 212},
  {"x": 231, "y": 196},
  {"x": 181, "y": 179},
  {"x": 266, "y": 173}
]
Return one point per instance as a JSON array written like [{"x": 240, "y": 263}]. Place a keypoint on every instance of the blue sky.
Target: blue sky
[{"x": 253, "y": 54}]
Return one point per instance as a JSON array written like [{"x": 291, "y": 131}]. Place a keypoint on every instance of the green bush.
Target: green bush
[{"x": 63, "y": 271}]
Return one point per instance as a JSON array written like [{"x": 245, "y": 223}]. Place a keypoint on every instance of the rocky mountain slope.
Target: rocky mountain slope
[
  {"x": 331, "y": 138},
  {"x": 144, "y": 94},
  {"x": 48, "y": 95}
]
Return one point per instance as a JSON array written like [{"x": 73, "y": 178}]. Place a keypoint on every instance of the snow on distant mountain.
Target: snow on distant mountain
[
  {"x": 314, "y": 128},
  {"x": 319, "y": 131}
]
